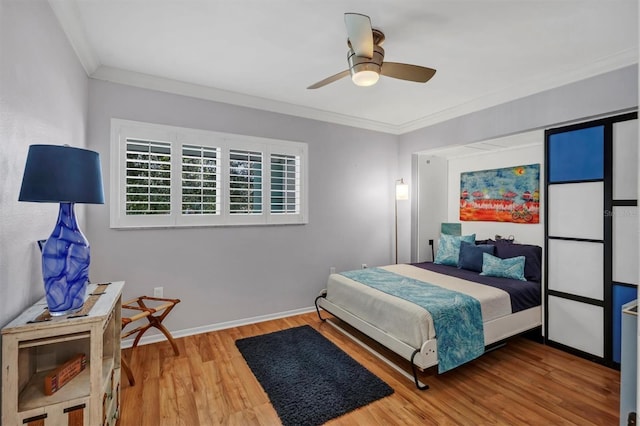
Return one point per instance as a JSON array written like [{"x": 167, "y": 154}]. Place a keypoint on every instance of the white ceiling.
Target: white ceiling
[
  {"x": 489, "y": 147},
  {"x": 264, "y": 54}
]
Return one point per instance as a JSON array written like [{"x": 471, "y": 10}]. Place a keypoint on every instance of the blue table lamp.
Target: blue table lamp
[{"x": 65, "y": 175}]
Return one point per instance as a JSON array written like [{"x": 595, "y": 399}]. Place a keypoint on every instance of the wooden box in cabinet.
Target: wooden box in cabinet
[{"x": 31, "y": 350}]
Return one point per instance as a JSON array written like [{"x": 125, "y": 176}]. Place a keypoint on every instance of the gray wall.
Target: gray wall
[
  {"x": 232, "y": 273},
  {"x": 43, "y": 99},
  {"x": 604, "y": 94}
]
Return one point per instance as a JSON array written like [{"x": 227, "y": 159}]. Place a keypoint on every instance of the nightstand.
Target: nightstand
[{"x": 35, "y": 344}]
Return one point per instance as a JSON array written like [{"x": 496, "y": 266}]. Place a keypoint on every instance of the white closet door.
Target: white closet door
[
  {"x": 576, "y": 267},
  {"x": 625, "y": 244},
  {"x": 625, "y": 160},
  {"x": 576, "y": 210},
  {"x": 577, "y": 325}
]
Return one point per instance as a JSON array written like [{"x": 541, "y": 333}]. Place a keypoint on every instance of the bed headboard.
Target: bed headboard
[{"x": 451, "y": 228}]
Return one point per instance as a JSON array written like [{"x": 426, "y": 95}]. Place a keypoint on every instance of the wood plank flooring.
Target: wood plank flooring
[{"x": 523, "y": 383}]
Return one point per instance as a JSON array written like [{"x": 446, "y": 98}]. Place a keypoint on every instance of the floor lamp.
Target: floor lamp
[{"x": 402, "y": 193}]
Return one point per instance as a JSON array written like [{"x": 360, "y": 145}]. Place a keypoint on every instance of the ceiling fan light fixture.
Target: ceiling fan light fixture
[
  {"x": 365, "y": 71},
  {"x": 365, "y": 78}
]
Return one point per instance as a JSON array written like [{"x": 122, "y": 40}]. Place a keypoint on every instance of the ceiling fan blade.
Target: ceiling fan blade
[
  {"x": 407, "y": 72},
  {"x": 360, "y": 33},
  {"x": 329, "y": 80}
]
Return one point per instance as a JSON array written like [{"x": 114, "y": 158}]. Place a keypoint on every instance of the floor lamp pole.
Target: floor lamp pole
[
  {"x": 396, "y": 231},
  {"x": 402, "y": 193}
]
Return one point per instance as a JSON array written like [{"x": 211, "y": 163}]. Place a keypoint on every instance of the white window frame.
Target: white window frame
[{"x": 121, "y": 130}]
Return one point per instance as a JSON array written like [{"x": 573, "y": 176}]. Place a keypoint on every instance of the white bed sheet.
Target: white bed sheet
[{"x": 402, "y": 319}]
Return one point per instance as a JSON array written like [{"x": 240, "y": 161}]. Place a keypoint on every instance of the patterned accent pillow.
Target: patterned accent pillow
[
  {"x": 449, "y": 248},
  {"x": 513, "y": 267}
]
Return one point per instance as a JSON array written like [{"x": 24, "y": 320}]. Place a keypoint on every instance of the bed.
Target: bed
[{"x": 427, "y": 334}]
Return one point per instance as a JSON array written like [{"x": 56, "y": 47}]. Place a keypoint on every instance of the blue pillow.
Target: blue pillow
[
  {"x": 532, "y": 254},
  {"x": 471, "y": 255},
  {"x": 449, "y": 248},
  {"x": 493, "y": 266}
]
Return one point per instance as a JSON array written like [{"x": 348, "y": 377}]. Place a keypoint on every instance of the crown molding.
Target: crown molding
[
  {"x": 611, "y": 63},
  {"x": 146, "y": 81},
  {"x": 68, "y": 16}
]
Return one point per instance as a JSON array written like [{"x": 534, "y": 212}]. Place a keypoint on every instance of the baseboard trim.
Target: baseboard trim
[{"x": 159, "y": 337}]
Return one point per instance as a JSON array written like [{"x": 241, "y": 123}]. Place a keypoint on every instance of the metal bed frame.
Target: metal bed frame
[{"x": 427, "y": 355}]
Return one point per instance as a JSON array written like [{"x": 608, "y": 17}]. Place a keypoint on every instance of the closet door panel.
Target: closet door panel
[
  {"x": 576, "y": 267},
  {"x": 576, "y": 210},
  {"x": 577, "y": 325},
  {"x": 625, "y": 244},
  {"x": 625, "y": 160},
  {"x": 576, "y": 155}
]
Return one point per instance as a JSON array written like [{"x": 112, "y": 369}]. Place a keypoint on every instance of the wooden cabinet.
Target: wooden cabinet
[{"x": 32, "y": 349}]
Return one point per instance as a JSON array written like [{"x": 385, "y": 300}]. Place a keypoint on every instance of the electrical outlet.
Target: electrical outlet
[
  {"x": 364, "y": 266},
  {"x": 332, "y": 270},
  {"x": 158, "y": 291},
  {"x": 430, "y": 242}
]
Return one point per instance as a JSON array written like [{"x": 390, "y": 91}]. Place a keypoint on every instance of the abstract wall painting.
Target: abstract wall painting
[{"x": 510, "y": 194}]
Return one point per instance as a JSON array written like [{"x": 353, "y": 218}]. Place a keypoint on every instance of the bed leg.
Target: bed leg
[
  {"x": 415, "y": 372},
  {"x": 318, "y": 307}
]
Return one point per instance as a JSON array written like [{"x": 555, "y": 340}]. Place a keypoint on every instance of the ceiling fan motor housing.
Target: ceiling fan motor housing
[{"x": 360, "y": 63}]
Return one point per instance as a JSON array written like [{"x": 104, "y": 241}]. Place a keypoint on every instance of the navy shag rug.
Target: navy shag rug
[{"x": 309, "y": 380}]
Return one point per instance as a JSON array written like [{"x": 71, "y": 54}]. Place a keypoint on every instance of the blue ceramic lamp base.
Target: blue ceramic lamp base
[{"x": 65, "y": 264}]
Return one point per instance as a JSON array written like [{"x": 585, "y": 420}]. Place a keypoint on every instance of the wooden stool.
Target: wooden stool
[{"x": 147, "y": 312}]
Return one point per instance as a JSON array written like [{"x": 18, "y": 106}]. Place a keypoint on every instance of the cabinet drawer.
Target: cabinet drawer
[{"x": 59, "y": 415}]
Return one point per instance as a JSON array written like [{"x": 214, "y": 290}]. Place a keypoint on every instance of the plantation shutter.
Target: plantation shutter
[
  {"x": 165, "y": 176},
  {"x": 200, "y": 180},
  {"x": 285, "y": 184},
  {"x": 148, "y": 177},
  {"x": 245, "y": 182}
]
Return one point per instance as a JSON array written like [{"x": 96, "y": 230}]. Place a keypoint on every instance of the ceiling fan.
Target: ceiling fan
[{"x": 366, "y": 57}]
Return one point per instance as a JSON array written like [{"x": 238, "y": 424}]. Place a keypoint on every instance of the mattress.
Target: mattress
[{"x": 406, "y": 321}]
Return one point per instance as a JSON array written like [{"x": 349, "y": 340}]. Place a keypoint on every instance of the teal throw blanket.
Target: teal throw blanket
[{"x": 457, "y": 317}]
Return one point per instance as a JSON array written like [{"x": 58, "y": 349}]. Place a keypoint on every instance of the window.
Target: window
[{"x": 164, "y": 176}]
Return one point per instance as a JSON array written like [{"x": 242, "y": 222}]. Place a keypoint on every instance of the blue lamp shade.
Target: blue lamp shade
[
  {"x": 62, "y": 174},
  {"x": 65, "y": 175}
]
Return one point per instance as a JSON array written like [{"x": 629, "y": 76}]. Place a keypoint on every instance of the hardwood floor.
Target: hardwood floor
[{"x": 522, "y": 383}]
